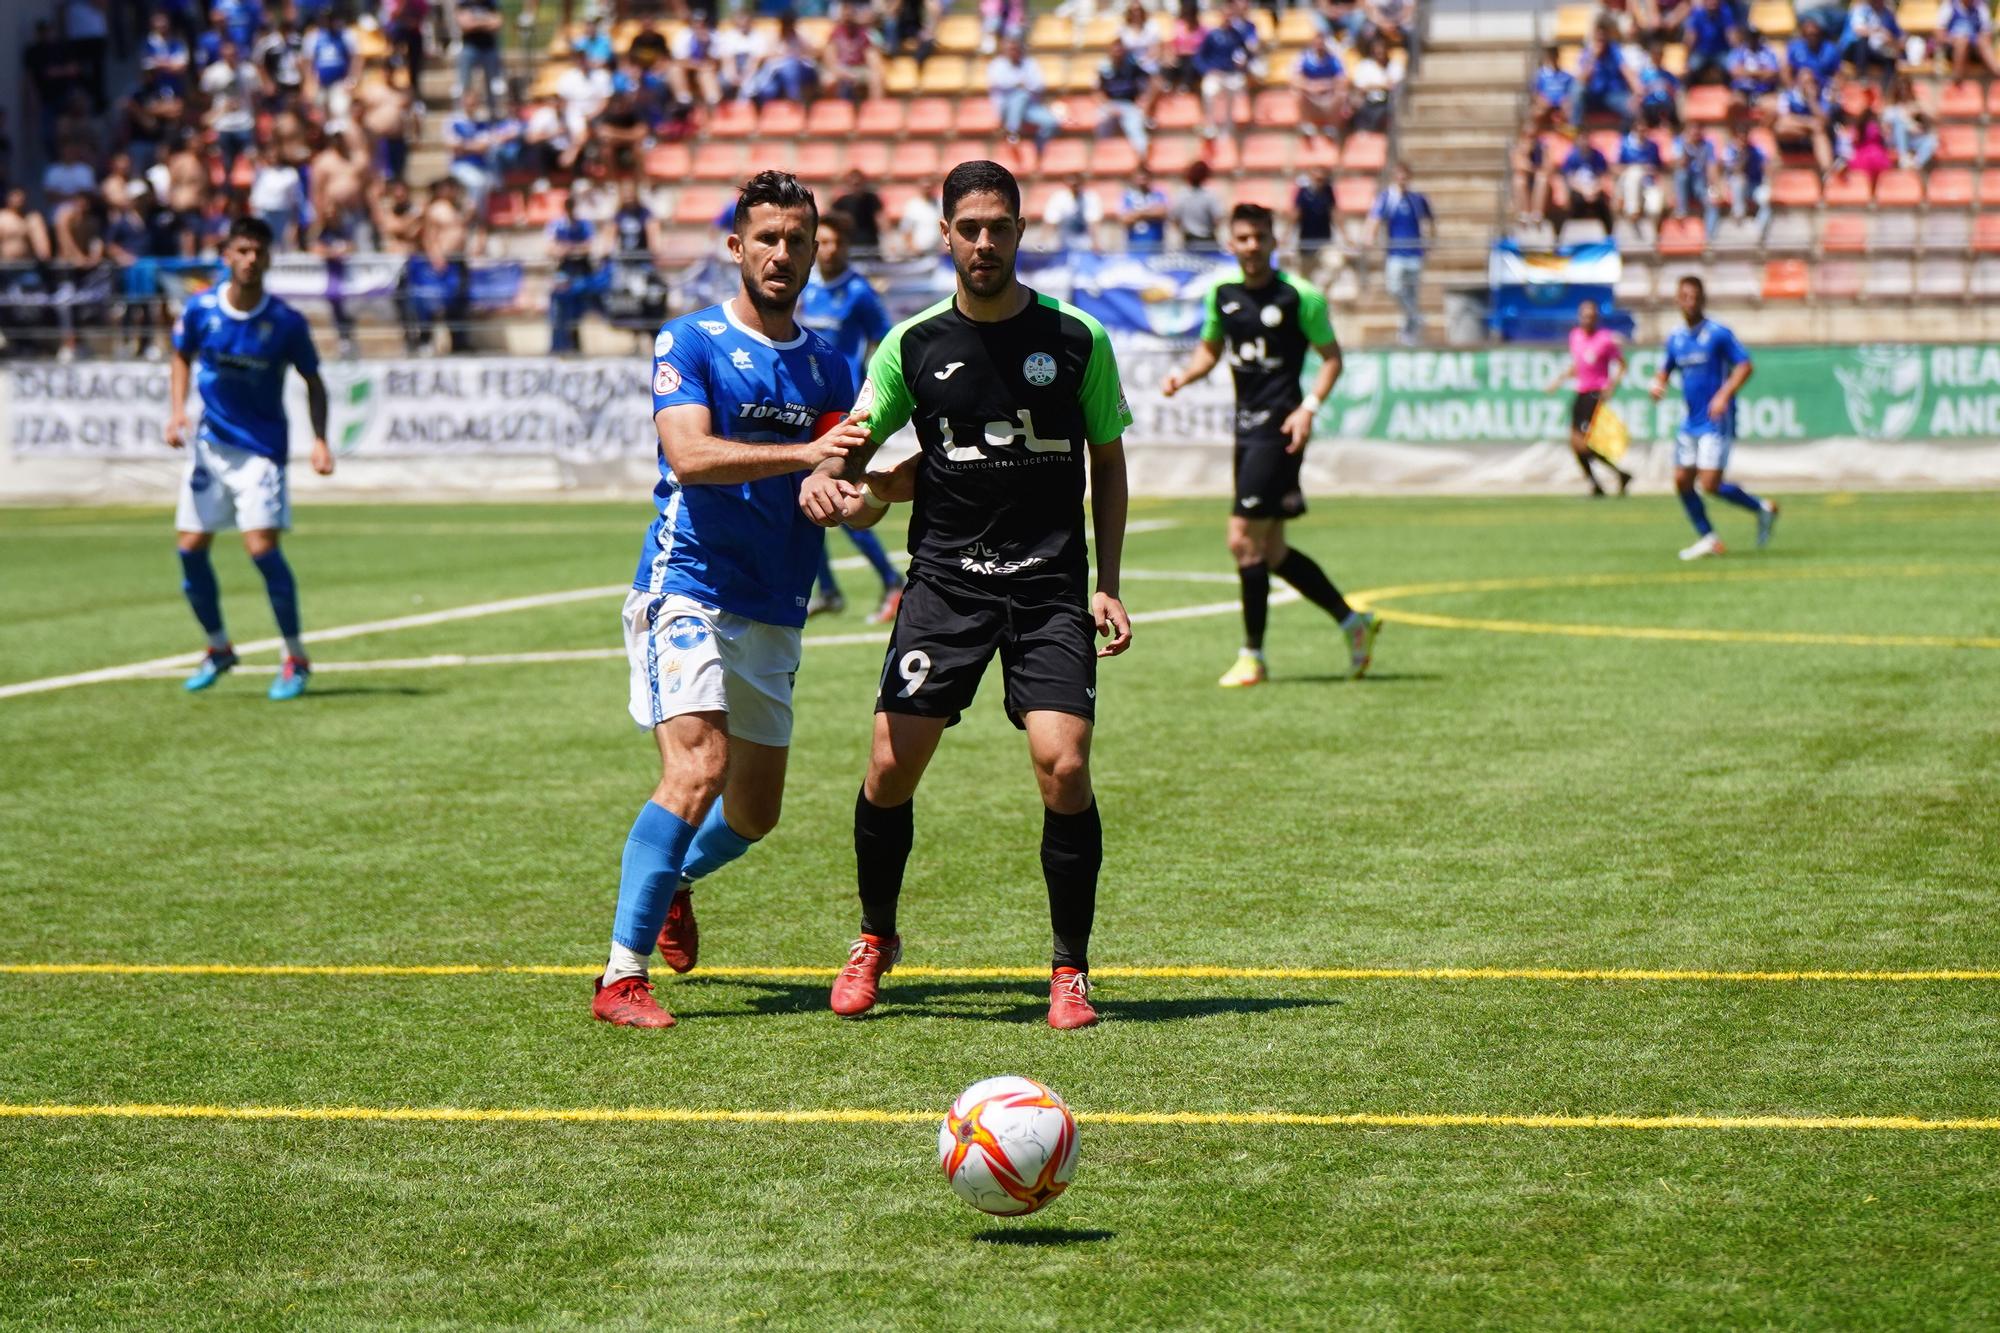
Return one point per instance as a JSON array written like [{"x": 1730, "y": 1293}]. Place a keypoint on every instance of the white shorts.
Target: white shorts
[
  {"x": 690, "y": 658},
  {"x": 1216, "y": 84},
  {"x": 227, "y": 487},
  {"x": 1706, "y": 450}
]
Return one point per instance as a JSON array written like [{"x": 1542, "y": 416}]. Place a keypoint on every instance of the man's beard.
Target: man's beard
[
  {"x": 753, "y": 292},
  {"x": 990, "y": 284}
]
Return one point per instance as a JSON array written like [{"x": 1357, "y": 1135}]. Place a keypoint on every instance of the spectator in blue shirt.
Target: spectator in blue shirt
[
  {"x": 572, "y": 243},
  {"x": 1586, "y": 182},
  {"x": 1802, "y": 122},
  {"x": 164, "y": 55},
  {"x": 1659, "y": 90},
  {"x": 1965, "y": 29},
  {"x": 1872, "y": 41},
  {"x": 1312, "y": 216},
  {"x": 1753, "y": 68},
  {"x": 1695, "y": 179},
  {"x": 1641, "y": 170},
  {"x": 1746, "y": 169},
  {"x": 1554, "y": 89},
  {"x": 1706, "y": 36},
  {"x": 1224, "y": 60},
  {"x": 1812, "y": 50},
  {"x": 1607, "y": 85},
  {"x": 1406, "y": 216},
  {"x": 1324, "y": 107},
  {"x": 1142, "y": 211}
]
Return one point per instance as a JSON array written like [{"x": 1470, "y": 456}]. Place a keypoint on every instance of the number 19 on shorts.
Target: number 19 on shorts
[{"x": 915, "y": 668}]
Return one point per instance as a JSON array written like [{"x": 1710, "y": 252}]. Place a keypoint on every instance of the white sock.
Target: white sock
[
  {"x": 624, "y": 963},
  {"x": 218, "y": 640},
  {"x": 295, "y": 647}
]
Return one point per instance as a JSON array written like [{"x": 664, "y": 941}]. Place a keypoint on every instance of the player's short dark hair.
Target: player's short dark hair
[
  {"x": 840, "y": 220},
  {"x": 781, "y": 188},
  {"x": 1255, "y": 214},
  {"x": 977, "y": 178},
  {"x": 1692, "y": 280},
  {"x": 250, "y": 229}
]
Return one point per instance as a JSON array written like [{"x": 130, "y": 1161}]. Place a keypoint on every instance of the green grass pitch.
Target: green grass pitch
[{"x": 1760, "y": 799}]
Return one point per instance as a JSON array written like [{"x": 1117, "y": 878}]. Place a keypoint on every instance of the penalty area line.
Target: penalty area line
[
  {"x": 871, "y": 1116},
  {"x": 1188, "y": 972}
]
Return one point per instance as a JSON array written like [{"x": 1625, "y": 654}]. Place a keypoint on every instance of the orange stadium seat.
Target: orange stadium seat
[
  {"x": 831, "y": 118},
  {"x": 879, "y": 118},
  {"x": 1707, "y": 104},
  {"x": 930, "y": 116},
  {"x": 1365, "y": 152},
  {"x": 958, "y": 34},
  {"x": 781, "y": 120},
  {"x": 731, "y": 120},
  {"x": 1844, "y": 234},
  {"x": 1960, "y": 101},
  {"x": 1065, "y": 157},
  {"x": 1993, "y": 99},
  {"x": 914, "y": 161},
  {"x": 1605, "y": 142},
  {"x": 1762, "y": 138},
  {"x": 1317, "y": 152},
  {"x": 543, "y": 208},
  {"x": 1113, "y": 157},
  {"x": 1958, "y": 143},
  {"x": 966, "y": 150},
  {"x": 670, "y": 162},
  {"x": 1899, "y": 189},
  {"x": 1271, "y": 194},
  {"x": 1171, "y": 155},
  {"x": 1269, "y": 152},
  {"x": 943, "y": 74},
  {"x": 506, "y": 210},
  {"x": 870, "y": 157},
  {"x": 1681, "y": 236},
  {"x": 816, "y": 161},
  {"x": 1785, "y": 280},
  {"x": 1220, "y": 154},
  {"x": 1276, "y": 107},
  {"x": 1988, "y": 195},
  {"x": 1858, "y": 96},
  {"x": 1353, "y": 195},
  {"x": 1986, "y": 233},
  {"x": 717, "y": 161},
  {"x": 1795, "y": 188},
  {"x": 1847, "y": 190},
  {"x": 977, "y": 115},
  {"x": 698, "y": 205},
  {"x": 1177, "y": 111},
  {"x": 684, "y": 247}
]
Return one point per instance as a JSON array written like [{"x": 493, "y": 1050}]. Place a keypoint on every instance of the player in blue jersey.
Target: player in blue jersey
[
  {"x": 236, "y": 343},
  {"x": 746, "y": 403},
  {"x": 845, "y": 309},
  {"x": 1713, "y": 366}
]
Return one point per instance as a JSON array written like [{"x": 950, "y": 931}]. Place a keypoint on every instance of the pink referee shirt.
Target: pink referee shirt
[{"x": 1592, "y": 354}]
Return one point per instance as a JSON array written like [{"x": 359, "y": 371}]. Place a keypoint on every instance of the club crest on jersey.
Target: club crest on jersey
[
  {"x": 740, "y": 359},
  {"x": 1039, "y": 369},
  {"x": 1272, "y": 316},
  {"x": 714, "y": 328},
  {"x": 813, "y": 362},
  {"x": 664, "y": 343}
]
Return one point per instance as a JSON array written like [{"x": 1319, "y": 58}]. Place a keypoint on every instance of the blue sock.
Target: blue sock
[
  {"x": 870, "y": 545},
  {"x": 654, "y": 851},
  {"x": 283, "y": 592},
  {"x": 827, "y": 586},
  {"x": 715, "y": 846},
  {"x": 203, "y": 594},
  {"x": 1736, "y": 495},
  {"x": 1697, "y": 511}
]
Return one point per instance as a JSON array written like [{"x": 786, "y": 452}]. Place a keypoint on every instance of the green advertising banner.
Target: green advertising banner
[{"x": 1884, "y": 392}]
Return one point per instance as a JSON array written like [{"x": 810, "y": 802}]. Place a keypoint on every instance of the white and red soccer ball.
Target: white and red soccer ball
[{"x": 1008, "y": 1145}]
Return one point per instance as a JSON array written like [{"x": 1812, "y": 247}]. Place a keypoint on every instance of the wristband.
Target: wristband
[
  {"x": 1311, "y": 402},
  {"x": 873, "y": 501}
]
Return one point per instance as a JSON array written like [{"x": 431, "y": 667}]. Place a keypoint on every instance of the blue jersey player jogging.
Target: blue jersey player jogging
[
  {"x": 238, "y": 344},
  {"x": 1713, "y": 365}
]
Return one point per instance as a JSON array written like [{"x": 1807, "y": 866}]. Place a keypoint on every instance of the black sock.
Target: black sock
[
  {"x": 1072, "y": 851},
  {"x": 1616, "y": 470},
  {"x": 1583, "y": 458},
  {"x": 882, "y": 840},
  {"x": 1298, "y": 569},
  {"x": 1256, "y": 601}
]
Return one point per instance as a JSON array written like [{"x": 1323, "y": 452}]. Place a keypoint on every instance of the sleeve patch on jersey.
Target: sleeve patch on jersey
[
  {"x": 865, "y": 400},
  {"x": 666, "y": 379},
  {"x": 664, "y": 343}
]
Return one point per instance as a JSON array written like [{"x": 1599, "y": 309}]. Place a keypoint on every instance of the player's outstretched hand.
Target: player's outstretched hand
[
  {"x": 177, "y": 431},
  {"x": 1172, "y": 384},
  {"x": 828, "y": 500},
  {"x": 839, "y": 442},
  {"x": 1659, "y": 390},
  {"x": 1297, "y": 427},
  {"x": 1112, "y": 622},
  {"x": 322, "y": 458}
]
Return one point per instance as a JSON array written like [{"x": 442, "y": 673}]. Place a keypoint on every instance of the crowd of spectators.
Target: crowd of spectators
[{"x": 1837, "y": 94}]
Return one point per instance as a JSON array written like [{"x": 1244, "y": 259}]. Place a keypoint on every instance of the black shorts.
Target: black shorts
[
  {"x": 1267, "y": 479},
  {"x": 1582, "y": 410},
  {"x": 946, "y": 633}
]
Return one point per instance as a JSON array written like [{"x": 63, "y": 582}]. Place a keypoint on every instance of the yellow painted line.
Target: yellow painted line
[
  {"x": 1190, "y": 972},
  {"x": 1375, "y": 599},
  {"x": 871, "y": 1116}
]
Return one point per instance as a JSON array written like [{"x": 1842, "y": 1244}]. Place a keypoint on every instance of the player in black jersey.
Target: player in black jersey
[
  {"x": 1014, "y": 397},
  {"x": 1266, "y": 319}
]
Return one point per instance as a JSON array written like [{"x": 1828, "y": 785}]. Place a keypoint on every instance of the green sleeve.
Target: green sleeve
[
  {"x": 1105, "y": 411},
  {"x": 1211, "y": 316},
  {"x": 885, "y": 398},
  {"x": 1314, "y": 321}
]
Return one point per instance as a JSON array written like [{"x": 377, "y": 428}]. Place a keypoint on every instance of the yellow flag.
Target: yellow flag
[{"x": 1608, "y": 435}]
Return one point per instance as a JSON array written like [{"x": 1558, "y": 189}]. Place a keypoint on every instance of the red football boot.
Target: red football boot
[
  {"x": 869, "y": 959},
  {"x": 680, "y": 938},
  {"x": 629, "y": 1002},
  {"x": 1069, "y": 1000}
]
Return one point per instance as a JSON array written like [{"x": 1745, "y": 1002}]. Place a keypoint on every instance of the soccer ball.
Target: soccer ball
[{"x": 1008, "y": 1145}]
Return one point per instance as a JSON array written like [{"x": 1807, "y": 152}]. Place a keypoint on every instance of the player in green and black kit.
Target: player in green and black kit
[
  {"x": 1267, "y": 319},
  {"x": 1014, "y": 397}
]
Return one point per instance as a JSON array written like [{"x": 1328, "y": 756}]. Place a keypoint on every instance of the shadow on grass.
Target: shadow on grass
[
  {"x": 978, "y": 1001},
  {"x": 338, "y": 691},
  {"x": 1043, "y": 1236},
  {"x": 1372, "y": 678}
]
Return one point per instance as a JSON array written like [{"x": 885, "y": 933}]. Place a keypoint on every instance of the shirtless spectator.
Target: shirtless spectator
[
  {"x": 79, "y": 227},
  {"x": 385, "y": 118},
  {"x": 24, "y": 248},
  {"x": 443, "y": 248}
]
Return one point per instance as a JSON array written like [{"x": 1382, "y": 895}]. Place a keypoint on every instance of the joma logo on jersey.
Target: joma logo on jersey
[{"x": 791, "y": 414}]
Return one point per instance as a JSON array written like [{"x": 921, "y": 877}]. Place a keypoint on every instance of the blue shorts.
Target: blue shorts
[{"x": 1704, "y": 448}]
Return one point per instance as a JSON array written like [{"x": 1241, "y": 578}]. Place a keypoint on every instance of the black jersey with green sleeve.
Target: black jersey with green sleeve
[
  {"x": 1265, "y": 332},
  {"x": 1004, "y": 412}
]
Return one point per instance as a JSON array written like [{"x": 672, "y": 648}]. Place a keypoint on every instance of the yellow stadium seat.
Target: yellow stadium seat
[
  {"x": 1573, "y": 22},
  {"x": 1773, "y": 18},
  {"x": 1918, "y": 17},
  {"x": 900, "y": 79},
  {"x": 1674, "y": 59},
  {"x": 815, "y": 31},
  {"x": 942, "y": 74},
  {"x": 1079, "y": 74},
  {"x": 1098, "y": 32},
  {"x": 370, "y": 44},
  {"x": 545, "y": 81},
  {"x": 1267, "y": 31},
  {"x": 622, "y": 33},
  {"x": 958, "y": 34},
  {"x": 1572, "y": 56},
  {"x": 1051, "y": 32},
  {"x": 1296, "y": 28}
]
